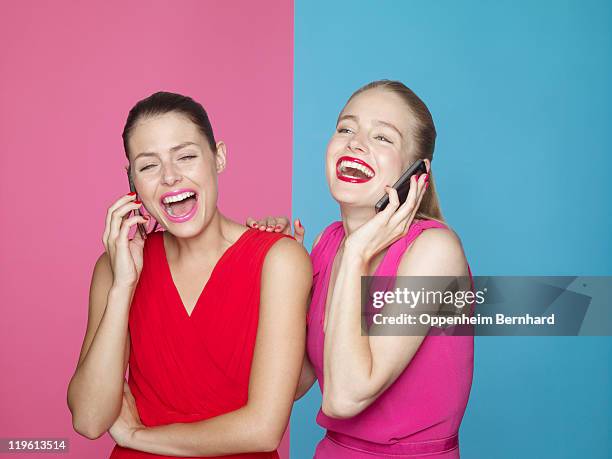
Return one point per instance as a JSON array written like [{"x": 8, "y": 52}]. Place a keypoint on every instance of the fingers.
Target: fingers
[
  {"x": 282, "y": 224},
  {"x": 109, "y": 214},
  {"x": 423, "y": 184},
  {"x": 299, "y": 231},
  {"x": 138, "y": 237},
  {"x": 124, "y": 231},
  {"x": 408, "y": 205},
  {"x": 117, "y": 218},
  {"x": 406, "y": 212},
  {"x": 388, "y": 211},
  {"x": 270, "y": 224}
]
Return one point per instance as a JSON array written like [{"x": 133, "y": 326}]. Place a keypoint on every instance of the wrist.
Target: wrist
[
  {"x": 119, "y": 291},
  {"x": 356, "y": 257},
  {"x": 123, "y": 285},
  {"x": 135, "y": 440}
]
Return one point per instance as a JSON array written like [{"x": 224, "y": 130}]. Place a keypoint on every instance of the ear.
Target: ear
[{"x": 220, "y": 156}]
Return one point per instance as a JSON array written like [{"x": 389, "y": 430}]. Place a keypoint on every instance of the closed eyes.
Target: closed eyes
[
  {"x": 182, "y": 158},
  {"x": 382, "y": 138}
]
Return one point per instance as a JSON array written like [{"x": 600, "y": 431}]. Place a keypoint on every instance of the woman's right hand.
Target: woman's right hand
[
  {"x": 125, "y": 255},
  {"x": 279, "y": 225}
]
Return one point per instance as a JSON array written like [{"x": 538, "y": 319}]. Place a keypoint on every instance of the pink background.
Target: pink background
[{"x": 70, "y": 71}]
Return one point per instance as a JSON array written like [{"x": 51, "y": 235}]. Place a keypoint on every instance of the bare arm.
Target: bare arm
[
  {"x": 96, "y": 388},
  {"x": 360, "y": 367},
  {"x": 278, "y": 356},
  {"x": 95, "y": 391}
]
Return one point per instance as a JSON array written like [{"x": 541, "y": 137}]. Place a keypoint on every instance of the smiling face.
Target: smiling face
[
  {"x": 175, "y": 172},
  {"x": 370, "y": 148}
]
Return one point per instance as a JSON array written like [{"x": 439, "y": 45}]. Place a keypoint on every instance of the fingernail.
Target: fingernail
[
  {"x": 426, "y": 185},
  {"x": 253, "y": 225},
  {"x": 278, "y": 227},
  {"x": 137, "y": 202},
  {"x": 298, "y": 222},
  {"x": 131, "y": 193},
  {"x": 146, "y": 217},
  {"x": 426, "y": 177}
]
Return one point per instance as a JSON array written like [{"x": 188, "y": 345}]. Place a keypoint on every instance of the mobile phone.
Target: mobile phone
[
  {"x": 402, "y": 186},
  {"x": 141, "y": 227}
]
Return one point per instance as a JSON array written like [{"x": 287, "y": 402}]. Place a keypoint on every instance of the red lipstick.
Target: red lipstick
[{"x": 365, "y": 170}]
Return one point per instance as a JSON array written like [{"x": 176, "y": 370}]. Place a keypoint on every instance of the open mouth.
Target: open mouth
[
  {"x": 180, "y": 205},
  {"x": 353, "y": 170}
]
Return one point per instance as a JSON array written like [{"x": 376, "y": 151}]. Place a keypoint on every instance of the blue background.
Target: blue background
[{"x": 520, "y": 94}]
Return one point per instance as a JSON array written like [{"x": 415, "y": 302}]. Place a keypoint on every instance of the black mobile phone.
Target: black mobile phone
[
  {"x": 142, "y": 229},
  {"x": 402, "y": 186}
]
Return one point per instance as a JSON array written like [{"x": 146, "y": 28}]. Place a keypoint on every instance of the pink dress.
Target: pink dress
[{"x": 419, "y": 415}]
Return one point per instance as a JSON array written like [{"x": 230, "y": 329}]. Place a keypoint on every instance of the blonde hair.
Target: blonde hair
[{"x": 424, "y": 135}]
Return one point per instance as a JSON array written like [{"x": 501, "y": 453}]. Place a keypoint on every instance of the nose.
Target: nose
[
  {"x": 357, "y": 145},
  {"x": 170, "y": 176}
]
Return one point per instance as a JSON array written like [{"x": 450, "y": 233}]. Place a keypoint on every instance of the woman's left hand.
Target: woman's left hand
[
  {"x": 128, "y": 421},
  {"x": 390, "y": 224}
]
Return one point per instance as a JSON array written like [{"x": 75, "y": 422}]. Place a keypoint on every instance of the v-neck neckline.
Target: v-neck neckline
[{"x": 221, "y": 259}]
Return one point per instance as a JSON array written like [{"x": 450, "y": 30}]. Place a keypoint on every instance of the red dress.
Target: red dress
[{"x": 189, "y": 368}]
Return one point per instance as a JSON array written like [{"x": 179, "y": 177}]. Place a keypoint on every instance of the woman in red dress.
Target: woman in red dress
[{"x": 210, "y": 315}]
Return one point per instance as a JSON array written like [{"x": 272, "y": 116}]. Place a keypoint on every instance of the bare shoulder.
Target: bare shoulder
[
  {"x": 436, "y": 251},
  {"x": 287, "y": 255},
  {"x": 286, "y": 279}
]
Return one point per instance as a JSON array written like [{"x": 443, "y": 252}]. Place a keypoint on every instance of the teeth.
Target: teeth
[
  {"x": 354, "y": 165},
  {"x": 178, "y": 197}
]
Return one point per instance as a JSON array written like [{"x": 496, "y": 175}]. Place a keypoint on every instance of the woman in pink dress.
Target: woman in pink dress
[{"x": 383, "y": 396}]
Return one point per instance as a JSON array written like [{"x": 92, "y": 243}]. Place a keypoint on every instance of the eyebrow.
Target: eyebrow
[
  {"x": 383, "y": 123},
  {"x": 172, "y": 150}
]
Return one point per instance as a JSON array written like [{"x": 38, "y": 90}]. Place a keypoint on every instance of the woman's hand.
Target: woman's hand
[
  {"x": 390, "y": 224},
  {"x": 279, "y": 225},
  {"x": 128, "y": 421},
  {"x": 125, "y": 255}
]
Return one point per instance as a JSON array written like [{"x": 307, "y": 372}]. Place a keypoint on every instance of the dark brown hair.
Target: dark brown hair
[{"x": 161, "y": 103}]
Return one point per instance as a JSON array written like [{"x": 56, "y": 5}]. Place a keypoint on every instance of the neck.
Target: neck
[
  {"x": 216, "y": 236},
  {"x": 354, "y": 217}
]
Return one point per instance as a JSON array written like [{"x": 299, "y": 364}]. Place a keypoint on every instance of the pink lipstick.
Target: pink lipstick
[{"x": 179, "y": 205}]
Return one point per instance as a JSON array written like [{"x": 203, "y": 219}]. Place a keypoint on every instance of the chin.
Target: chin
[
  {"x": 350, "y": 198},
  {"x": 184, "y": 231},
  {"x": 187, "y": 229}
]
